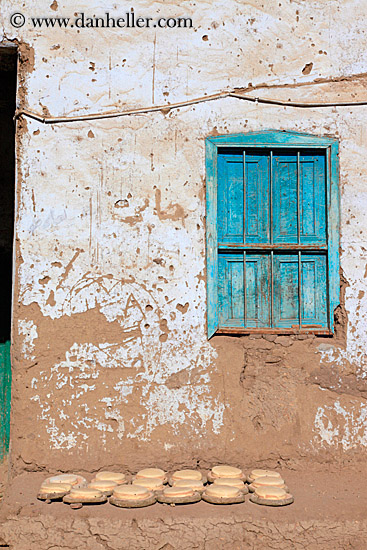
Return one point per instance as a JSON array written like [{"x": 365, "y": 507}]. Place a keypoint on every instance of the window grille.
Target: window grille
[{"x": 271, "y": 236}]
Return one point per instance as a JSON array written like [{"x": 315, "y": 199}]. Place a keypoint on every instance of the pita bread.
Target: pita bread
[
  {"x": 232, "y": 482},
  {"x": 226, "y": 471},
  {"x": 57, "y": 488},
  {"x": 271, "y": 493},
  {"x": 72, "y": 479},
  {"x": 103, "y": 485},
  {"x": 261, "y": 473},
  {"x": 186, "y": 474},
  {"x": 131, "y": 492},
  {"x": 118, "y": 477},
  {"x": 150, "y": 483},
  {"x": 178, "y": 492},
  {"x": 155, "y": 473},
  {"x": 268, "y": 481},
  {"x": 222, "y": 491},
  {"x": 84, "y": 493},
  {"x": 193, "y": 483}
]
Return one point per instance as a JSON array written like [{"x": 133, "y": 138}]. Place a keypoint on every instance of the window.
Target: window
[{"x": 272, "y": 233}]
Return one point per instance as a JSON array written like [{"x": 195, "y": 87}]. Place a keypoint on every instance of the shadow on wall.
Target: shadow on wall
[{"x": 8, "y": 78}]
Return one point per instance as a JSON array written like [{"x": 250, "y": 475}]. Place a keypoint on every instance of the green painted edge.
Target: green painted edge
[
  {"x": 211, "y": 238},
  {"x": 271, "y": 138},
  {"x": 5, "y": 391},
  {"x": 333, "y": 221}
]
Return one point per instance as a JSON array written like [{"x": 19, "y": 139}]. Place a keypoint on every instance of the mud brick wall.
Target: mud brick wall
[{"x": 111, "y": 363}]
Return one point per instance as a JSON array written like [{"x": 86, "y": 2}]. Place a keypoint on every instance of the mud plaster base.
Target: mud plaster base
[
  {"x": 325, "y": 515},
  {"x": 279, "y": 430}
]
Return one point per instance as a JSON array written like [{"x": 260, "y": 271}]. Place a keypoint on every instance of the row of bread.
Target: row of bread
[{"x": 221, "y": 485}]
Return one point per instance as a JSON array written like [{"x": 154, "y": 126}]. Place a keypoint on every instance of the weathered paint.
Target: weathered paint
[
  {"x": 211, "y": 238},
  {"x": 5, "y": 391},
  {"x": 342, "y": 426},
  {"x": 226, "y": 190},
  {"x": 28, "y": 330},
  {"x": 110, "y": 244}
]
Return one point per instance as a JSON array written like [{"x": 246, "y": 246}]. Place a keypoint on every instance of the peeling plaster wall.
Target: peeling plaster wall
[{"x": 111, "y": 364}]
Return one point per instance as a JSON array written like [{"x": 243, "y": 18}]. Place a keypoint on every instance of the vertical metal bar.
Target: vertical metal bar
[
  {"x": 272, "y": 289},
  {"x": 300, "y": 289},
  {"x": 298, "y": 200},
  {"x": 271, "y": 196},
  {"x": 244, "y": 197},
  {"x": 299, "y": 242},
  {"x": 231, "y": 287},
  {"x": 271, "y": 241},
  {"x": 244, "y": 289},
  {"x": 327, "y": 209},
  {"x": 244, "y": 239}
]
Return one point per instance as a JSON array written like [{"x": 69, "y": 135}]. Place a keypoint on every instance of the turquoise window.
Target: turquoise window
[{"x": 272, "y": 233}]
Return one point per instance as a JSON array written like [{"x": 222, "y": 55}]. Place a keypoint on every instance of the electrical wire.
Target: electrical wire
[
  {"x": 46, "y": 119},
  {"x": 301, "y": 105}
]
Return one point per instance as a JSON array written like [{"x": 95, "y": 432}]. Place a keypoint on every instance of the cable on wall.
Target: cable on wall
[{"x": 46, "y": 119}]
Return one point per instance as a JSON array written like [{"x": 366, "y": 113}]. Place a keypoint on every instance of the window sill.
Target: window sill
[{"x": 279, "y": 331}]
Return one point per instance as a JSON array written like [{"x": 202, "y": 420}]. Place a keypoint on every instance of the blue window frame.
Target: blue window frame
[{"x": 272, "y": 233}]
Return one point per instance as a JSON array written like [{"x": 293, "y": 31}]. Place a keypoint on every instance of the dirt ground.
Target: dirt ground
[{"x": 329, "y": 512}]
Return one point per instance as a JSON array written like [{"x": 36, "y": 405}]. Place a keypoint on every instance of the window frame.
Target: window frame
[{"x": 266, "y": 140}]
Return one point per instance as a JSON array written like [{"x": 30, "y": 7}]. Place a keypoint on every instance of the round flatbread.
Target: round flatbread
[
  {"x": 187, "y": 474},
  {"x": 271, "y": 493},
  {"x": 71, "y": 479},
  {"x": 151, "y": 483},
  {"x": 103, "y": 485},
  {"x": 155, "y": 473},
  {"x": 84, "y": 493},
  {"x": 226, "y": 471},
  {"x": 131, "y": 492},
  {"x": 232, "y": 482},
  {"x": 193, "y": 483},
  {"x": 57, "y": 488},
  {"x": 261, "y": 473},
  {"x": 118, "y": 477},
  {"x": 268, "y": 481},
  {"x": 178, "y": 492},
  {"x": 222, "y": 491}
]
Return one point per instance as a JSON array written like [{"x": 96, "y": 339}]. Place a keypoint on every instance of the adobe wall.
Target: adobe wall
[{"x": 111, "y": 363}]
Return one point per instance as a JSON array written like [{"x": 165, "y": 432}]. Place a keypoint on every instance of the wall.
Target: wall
[{"x": 111, "y": 364}]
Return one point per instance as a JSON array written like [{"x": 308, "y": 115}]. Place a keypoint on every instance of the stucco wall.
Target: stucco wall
[{"x": 111, "y": 364}]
